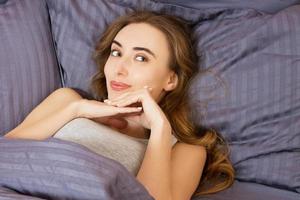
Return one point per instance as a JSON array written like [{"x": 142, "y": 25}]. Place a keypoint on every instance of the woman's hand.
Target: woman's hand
[
  {"x": 152, "y": 115},
  {"x": 93, "y": 109}
]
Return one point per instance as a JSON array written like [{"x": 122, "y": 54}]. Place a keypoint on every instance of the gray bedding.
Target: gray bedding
[
  {"x": 251, "y": 191},
  {"x": 251, "y": 92},
  {"x": 56, "y": 169},
  {"x": 9, "y": 194},
  {"x": 28, "y": 65}
]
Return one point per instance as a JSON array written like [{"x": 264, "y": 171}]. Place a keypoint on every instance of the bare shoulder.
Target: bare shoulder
[
  {"x": 187, "y": 165},
  {"x": 190, "y": 148},
  {"x": 65, "y": 93},
  {"x": 57, "y": 100},
  {"x": 194, "y": 155}
]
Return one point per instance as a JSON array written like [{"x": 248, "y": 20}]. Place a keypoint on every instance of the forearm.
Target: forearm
[
  {"x": 155, "y": 171},
  {"x": 45, "y": 127}
]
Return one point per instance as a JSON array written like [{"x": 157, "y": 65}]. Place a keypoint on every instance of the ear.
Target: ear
[{"x": 171, "y": 82}]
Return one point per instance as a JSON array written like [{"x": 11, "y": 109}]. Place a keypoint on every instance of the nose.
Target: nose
[{"x": 122, "y": 68}]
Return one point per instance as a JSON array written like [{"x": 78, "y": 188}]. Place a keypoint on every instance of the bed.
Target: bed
[{"x": 249, "y": 91}]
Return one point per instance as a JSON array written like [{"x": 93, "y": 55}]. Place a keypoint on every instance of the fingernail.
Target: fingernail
[
  {"x": 107, "y": 101},
  {"x": 147, "y": 87}
]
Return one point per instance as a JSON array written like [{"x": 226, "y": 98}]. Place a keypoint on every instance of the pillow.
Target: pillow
[
  {"x": 268, "y": 6},
  {"x": 251, "y": 191},
  {"x": 28, "y": 66},
  {"x": 250, "y": 91},
  {"x": 7, "y": 194},
  {"x": 3, "y": 1},
  {"x": 56, "y": 169}
]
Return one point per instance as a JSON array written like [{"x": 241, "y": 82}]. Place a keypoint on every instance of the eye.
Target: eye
[
  {"x": 141, "y": 58},
  {"x": 115, "y": 53}
]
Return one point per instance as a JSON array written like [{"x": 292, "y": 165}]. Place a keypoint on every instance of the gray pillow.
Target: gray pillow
[
  {"x": 268, "y": 6},
  {"x": 251, "y": 90},
  {"x": 8, "y": 194},
  {"x": 28, "y": 66},
  {"x": 57, "y": 169},
  {"x": 251, "y": 191},
  {"x": 3, "y": 1}
]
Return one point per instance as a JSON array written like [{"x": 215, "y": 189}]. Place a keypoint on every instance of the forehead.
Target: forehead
[{"x": 143, "y": 35}]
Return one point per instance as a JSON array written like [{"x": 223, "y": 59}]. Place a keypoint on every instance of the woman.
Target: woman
[{"x": 146, "y": 61}]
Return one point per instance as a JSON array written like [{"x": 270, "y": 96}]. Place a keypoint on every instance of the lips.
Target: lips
[{"x": 118, "y": 86}]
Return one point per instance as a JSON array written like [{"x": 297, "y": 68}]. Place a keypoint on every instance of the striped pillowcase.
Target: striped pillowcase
[
  {"x": 56, "y": 169},
  {"x": 251, "y": 92},
  {"x": 28, "y": 65}
]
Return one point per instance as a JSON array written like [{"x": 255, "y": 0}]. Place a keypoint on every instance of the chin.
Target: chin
[{"x": 113, "y": 94}]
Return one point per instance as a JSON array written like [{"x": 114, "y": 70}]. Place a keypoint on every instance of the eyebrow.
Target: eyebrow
[{"x": 136, "y": 48}]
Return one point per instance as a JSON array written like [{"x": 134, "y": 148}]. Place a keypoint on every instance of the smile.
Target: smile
[{"x": 119, "y": 86}]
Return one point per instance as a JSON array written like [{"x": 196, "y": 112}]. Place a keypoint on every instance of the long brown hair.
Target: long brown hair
[{"x": 218, "y": 172}]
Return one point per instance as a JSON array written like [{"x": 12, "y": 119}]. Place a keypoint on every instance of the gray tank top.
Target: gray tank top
[{"x": 127, "y": 150}]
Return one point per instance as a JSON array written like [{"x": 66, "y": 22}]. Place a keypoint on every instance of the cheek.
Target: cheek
[
  {"x": 140, "y": 78},
  {"x": 107, "y": 69},
  {"x": 154, "y": 80}
]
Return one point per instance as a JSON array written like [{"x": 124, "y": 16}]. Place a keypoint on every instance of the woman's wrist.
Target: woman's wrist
[
  {"x": 160, "y": 122},
  {"x": 161, "y": 135},
  {"x": 161, "y": 126}
]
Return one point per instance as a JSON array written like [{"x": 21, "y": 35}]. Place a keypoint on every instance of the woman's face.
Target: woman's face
[{"x": 139, "y": 57}]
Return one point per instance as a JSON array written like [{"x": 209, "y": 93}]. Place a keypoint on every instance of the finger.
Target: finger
[
  {"x": 124, "y": 95},
  {"x": 133, "y": 108},
  {"x": 121, "y": 96},
  {"x": 148, "y": 88},
  {"x": 128, "y": 109},
  {"x": 134, "y": 97},
  {"x": 107, "y": 101},
  {"x": 129, "y": 100}
]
